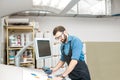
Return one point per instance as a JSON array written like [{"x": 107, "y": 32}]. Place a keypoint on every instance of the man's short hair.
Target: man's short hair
[{"x": 58, "y": 28}]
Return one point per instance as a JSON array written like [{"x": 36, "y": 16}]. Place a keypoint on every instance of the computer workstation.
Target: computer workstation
[{"x": 43, "y": 49}]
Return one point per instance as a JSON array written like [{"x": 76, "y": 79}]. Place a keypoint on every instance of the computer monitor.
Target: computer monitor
[{"x": 42, "y": 48}]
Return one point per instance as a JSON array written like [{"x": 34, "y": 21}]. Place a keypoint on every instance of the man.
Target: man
[{"x": 72, "y": 54}]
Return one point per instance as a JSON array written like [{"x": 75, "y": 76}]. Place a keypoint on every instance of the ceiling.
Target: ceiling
[{"x": 70, "y": 8}]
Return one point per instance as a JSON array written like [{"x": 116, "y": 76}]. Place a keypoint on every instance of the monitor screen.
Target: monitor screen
[{"x": 42, "y": 48}]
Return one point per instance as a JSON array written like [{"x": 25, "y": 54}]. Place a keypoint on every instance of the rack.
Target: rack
[{"x": 16, "y": 38}]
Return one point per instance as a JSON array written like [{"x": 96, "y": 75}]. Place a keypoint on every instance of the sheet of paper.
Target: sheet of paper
[{"x": 34, "y": 75}]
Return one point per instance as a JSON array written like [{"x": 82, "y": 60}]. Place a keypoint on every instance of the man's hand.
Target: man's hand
[{"x": 47, "y": 70}]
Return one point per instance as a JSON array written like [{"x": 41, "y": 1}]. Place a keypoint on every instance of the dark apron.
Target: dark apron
[{"x": 80, "y": 72}]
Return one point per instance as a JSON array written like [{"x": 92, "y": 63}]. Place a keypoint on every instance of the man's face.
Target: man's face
[{"x": 61, "y": 36}]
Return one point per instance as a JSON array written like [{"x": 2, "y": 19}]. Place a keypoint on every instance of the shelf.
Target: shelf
[
  {"x": 20, "y": 27},
  {"x": 16, "y": 48},
  {"x": 16, "y": 38}
]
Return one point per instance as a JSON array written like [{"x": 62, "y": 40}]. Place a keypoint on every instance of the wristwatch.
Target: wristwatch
[{"x": 62, "y": 76}]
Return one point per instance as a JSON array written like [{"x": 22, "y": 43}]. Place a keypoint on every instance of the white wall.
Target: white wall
[
  {"x": 1, "y": 41},
  {"x": 88, "y": 29}
]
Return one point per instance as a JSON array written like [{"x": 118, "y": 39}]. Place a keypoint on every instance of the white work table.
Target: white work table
[{"x": 8, "y": 72}]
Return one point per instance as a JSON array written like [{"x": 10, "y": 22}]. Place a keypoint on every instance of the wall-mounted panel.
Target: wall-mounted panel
[{"x": 103, "y": 59}]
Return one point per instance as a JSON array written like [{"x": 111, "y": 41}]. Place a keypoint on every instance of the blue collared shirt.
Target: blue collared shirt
[{"x": 76, "y": 46}]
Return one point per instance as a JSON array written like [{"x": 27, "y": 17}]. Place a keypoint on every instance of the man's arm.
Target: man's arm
[
  {"x": 71, "y": 66},
  {"x": 58, "y": 66}
]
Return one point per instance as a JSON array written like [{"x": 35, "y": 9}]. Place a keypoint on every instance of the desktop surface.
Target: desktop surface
[{"x": 8, "y": 72}]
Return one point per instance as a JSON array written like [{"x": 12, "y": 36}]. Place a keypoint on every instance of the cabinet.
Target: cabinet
[{"x": 16, "y": 38}]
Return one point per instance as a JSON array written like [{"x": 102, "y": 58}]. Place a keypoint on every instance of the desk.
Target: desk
[{"x": 8, "y": 72}]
